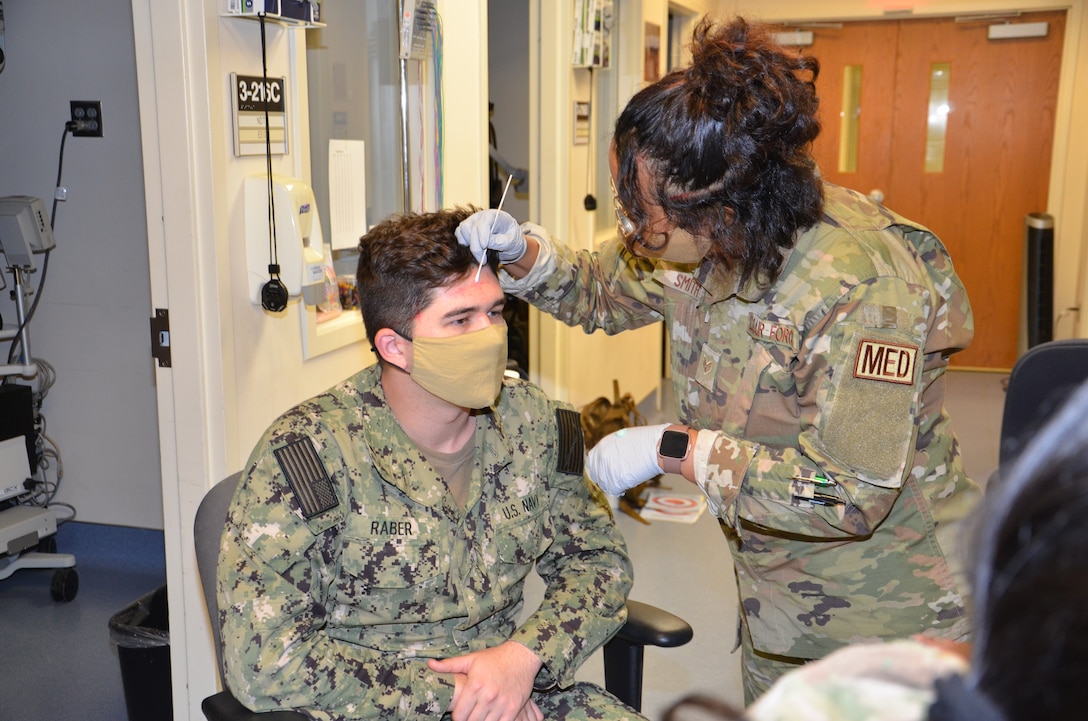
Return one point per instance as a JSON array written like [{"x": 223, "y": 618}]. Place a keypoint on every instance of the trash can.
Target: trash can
[
  {"x": 141, "y": 633},
  {"x": 1039, "y": 277}
]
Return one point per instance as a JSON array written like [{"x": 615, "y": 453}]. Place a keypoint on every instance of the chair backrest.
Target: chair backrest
[
  {"x": 211, "y": 517},
  {"x": 1041, "y": 381}
]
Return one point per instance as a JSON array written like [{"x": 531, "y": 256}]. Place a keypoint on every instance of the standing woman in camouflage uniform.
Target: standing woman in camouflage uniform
[{"x": 810, "y": 331}]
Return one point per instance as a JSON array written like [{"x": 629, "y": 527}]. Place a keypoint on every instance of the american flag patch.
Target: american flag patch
[
  {"x": 307, "y": 477},
  {"x": 887, "y": 362}
]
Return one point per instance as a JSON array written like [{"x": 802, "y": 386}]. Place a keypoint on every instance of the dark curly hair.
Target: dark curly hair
[
  {"x": 727, "y": 141},
  {"x": 403, "y": 260}
]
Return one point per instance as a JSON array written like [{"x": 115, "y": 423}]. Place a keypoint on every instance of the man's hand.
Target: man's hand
[
  {"x": 492, "y": 230},
  {"x": 626, "y": 458},
  {"x": 493, "y": 684}
]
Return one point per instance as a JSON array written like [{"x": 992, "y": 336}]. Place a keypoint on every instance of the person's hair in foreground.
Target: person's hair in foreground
[
  {"x": 1030, "y": 560},
  {"x": 403, "y": 260},
  {"x": 727, "y": 141}
]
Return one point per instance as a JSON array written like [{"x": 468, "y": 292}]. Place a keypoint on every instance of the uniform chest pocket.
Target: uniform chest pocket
[
  {"x": 520, "y": 542},
  {"x": 745, "y": 384},
  {"x": 519, "y": 537},
  {"x": 395, "y": 564}
]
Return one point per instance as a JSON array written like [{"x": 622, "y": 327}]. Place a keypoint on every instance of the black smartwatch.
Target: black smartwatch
[{"x": 673, "y": 448}]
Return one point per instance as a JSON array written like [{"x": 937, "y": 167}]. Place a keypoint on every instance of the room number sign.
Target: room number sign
[{"x": 252, "y": 96}]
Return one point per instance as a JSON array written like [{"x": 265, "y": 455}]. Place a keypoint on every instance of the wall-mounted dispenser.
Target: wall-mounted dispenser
[{"x": 299, "y": 243}]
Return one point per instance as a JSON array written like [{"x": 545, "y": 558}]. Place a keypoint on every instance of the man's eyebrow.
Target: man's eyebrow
[{"x": 454, "y": 312}]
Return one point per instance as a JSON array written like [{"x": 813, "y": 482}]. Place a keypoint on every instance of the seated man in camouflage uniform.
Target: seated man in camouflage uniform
[{"x": 376, "y": 549}]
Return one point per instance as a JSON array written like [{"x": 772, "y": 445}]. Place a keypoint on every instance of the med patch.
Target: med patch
[
  {"x": 879, "y": 360},
  {"x": 307, "y": 477}
]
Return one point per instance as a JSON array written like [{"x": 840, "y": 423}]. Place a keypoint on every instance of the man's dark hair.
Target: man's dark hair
[
  {"x": 403, "y": 260},
  {"x": 727, "y": 141}
]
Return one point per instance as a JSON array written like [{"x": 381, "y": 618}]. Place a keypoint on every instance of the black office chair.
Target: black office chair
[
  {"x": 1042, "y": 379},
  {"x": 623, "y": 655}
]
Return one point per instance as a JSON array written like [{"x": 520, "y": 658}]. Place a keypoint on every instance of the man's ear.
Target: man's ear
[{"x": 390, "y": 347}]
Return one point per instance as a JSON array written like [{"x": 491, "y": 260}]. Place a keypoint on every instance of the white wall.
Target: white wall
[{"x": 92, "y": 322}]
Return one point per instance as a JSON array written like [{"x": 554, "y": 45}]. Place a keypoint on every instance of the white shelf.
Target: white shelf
[{"x": 277, "y": 19}]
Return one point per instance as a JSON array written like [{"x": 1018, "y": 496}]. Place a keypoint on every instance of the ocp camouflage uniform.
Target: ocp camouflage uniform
[
  {"x": 893, "y": 681},
  {"x": 835, "y": 462},
  {"x": 346, "y": 563}
]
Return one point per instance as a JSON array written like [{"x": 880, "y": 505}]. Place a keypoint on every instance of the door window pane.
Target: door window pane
[
  {"x": 849, "y": 117},
  {"x": 937, "y": 120}
]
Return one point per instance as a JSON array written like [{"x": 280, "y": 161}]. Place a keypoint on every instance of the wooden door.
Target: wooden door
[{"x": 995, "y": 162}]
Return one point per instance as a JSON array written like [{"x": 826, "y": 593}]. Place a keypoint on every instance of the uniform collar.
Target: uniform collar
[{"x": 398, "y": 460}]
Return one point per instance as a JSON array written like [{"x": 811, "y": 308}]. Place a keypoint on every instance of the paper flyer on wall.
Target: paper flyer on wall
[{"x": 665, "y": 505}]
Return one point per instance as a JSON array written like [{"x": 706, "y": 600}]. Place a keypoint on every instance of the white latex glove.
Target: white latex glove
[
  {"x": 493, "y": 230},
  {"x": 626, "y": 458}
]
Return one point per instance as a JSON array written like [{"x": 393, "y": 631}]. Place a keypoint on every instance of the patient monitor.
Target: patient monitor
[{"x": 24, "y": 230}]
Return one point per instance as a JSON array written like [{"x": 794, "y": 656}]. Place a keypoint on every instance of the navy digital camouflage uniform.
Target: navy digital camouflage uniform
[
  {"x": 835, "y": 462},
  {"x": 334, "y": 593}
]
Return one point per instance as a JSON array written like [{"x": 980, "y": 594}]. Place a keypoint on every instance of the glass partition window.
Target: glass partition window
[
  {"x": 353, "y": 79},
  {"x": 353, "y": 76}
]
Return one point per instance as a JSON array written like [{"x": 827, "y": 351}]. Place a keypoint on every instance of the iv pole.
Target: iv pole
[{"x": 29, "y": 369}]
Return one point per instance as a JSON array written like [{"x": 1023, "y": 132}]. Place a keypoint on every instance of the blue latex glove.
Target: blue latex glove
[
  {"x": 492, "y": 230},
  {"x": 626, "y": 458}
]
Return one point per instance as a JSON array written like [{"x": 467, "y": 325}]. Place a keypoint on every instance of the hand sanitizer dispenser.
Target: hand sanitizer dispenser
[{"x": 299, "y": 242}]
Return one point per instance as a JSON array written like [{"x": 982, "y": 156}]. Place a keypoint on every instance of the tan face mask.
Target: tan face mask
[
  {"x": 465, "y": 370},
  {"x": 680, "y": 247}
]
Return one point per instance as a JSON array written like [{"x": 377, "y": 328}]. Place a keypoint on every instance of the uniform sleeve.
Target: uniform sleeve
[
  {"x": 607, "y": 290},
  {"x": 274, "y": 574},
  {"x": 859, "y": 379},
  {"x": 587, "y": 575}
]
